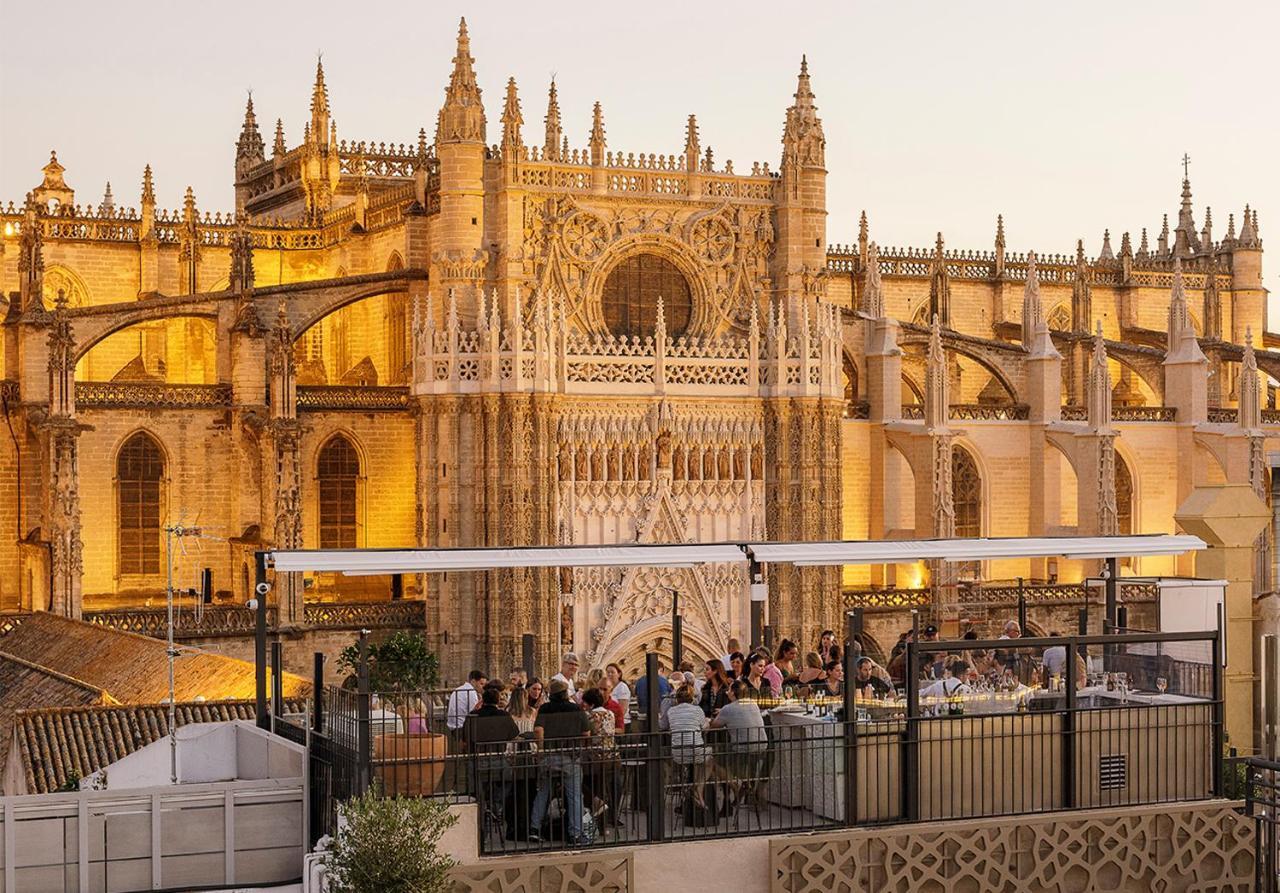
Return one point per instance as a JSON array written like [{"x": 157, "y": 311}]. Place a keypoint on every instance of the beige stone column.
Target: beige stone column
[{"x": 1229, "y": 518}]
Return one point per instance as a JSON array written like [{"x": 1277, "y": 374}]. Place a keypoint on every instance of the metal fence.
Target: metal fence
[
  {"x": 1048, "y": 723},
  {"x": 1257, "y": 781}
]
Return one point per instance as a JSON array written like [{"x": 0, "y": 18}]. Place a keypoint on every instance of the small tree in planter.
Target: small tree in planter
[
  {"x": 409, "y": 759},
  {"x": 400, "y": 663},
  {"x": 391, "y": 845}
]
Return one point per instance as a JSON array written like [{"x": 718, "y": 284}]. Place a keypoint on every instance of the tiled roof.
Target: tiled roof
[
  {"x": 27, "y": 686},
  {"x": 62, "y": 744},
  {"x": 132, "y": 669}
]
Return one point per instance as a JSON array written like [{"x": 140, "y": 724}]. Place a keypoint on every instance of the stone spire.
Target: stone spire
[
  {"x": 1186, "y": 242},
  {"x": 319, "y": 104},
  {"x": 249, "y": 148},
  {"x": 940, "y": 286},
  {"x": 1248, "y": 230},
  {"x": 108, "y": 205},
  {"x": 1099, "y": 384},
  {"x": 148, "y": 203},
  {"x": 1229, "y": 240},
  {"x": 937, "y": 385},
  {"x": 1212, "y": 309},
  {"x": 803, "y": 141},
  {"x": 1126, "y": 246},
  {"x": 278, "y": 149},
  {"x": 872, "y": 291},
  {"x": 1250, "y": 416},
  {"x": 30, "y": 263},
  {"x": 512, "y": 121},
  {"x": 1032, "y": 309},
  {"x": 1106, "y": 253},
  {"x": 241, "y": 275},
  {"x": 1144, "y": 249},
  {"x": 555, "y": 132},
  {"x": 1000, "y": 246},
  {"x": 462, "y": 117},
  {"x": 862, "y": 237},
  {"x": 1178, "y": 317},
  {"x": 1183, "y": 344},
  {"x": 1206, "y": 234},
  {"x": 596, "y": 141},
  {"x": 1162, "y": 243},
  {"x": 691, "y": 146},
  {"x": 1081, "y": 295}
]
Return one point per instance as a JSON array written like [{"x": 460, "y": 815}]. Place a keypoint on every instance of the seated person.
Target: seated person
[
  {"x": 868, "y": 683},
  {"x": 954, "y": 683},
  {"x": 758, "y": 683},
  {"x": 686, "y": 722},
  {"x": 832, "y": 684},
  {"x": 811, "y": 673},
  {"x": 744, "y": 725}
]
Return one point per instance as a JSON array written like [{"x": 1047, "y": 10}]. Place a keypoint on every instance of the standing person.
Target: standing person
[
  {"x": 518, "y": 676},
  {"x": 462, "y": 700},
  {"x": 562, "y": 729},
  {"x": 715, "y": 688},
  {"x": 826, "y": 642},
  {"x": 758, "y": 684},
  {"x": 608, "y": 701},
  {"x": 642, "y": 689},
  {"x": 568, "y": 671},
  {"x": 734, "y": 646},
  {"x": 785, "y": 661},
  {"x": 521, "y": 710},
  {"x": 620, "y": 692}
]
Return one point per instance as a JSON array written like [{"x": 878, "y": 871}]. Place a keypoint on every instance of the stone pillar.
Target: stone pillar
[{"x": 1229, "y": 518}]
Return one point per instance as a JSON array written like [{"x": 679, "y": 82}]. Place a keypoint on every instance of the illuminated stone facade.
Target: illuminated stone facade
[{"x": 472, "y": 339}]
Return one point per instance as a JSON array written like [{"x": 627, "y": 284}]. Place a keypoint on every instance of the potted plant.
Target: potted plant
[
  {"x": 390, "y": 844},
  {"x": 408, "y": 758}
]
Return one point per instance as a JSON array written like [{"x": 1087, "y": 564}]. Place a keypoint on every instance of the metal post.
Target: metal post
[
  {"x": 172, "y": 651},
  {"x": 757, "y": 624},
  {"x": 260, "y": 590},
  {"x": 768, "y": 638},
  {"x": 911, "y": 748},
  {"x": 1111, "y": 588},
  {"x": 655, "y": 802},
  {"x": 1219, "y": 709},
  {"x": 277, "y": 684},
  {"x": 1069, "y": 730},
  {"x": 527, "y": 659},
  {"x": 1022, "y": 607},
  {"x": 852, "y": 651},
  {"x": 759, "y": 594},
  {"x": 1270, "y": 697},
  {"x": 363, "y": 756},
  {"x": 677, "y": 631},
  {"x": 317, "y": 686}
]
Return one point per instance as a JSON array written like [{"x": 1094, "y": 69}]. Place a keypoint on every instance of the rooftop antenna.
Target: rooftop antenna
[{"x": 175, "y": 532}]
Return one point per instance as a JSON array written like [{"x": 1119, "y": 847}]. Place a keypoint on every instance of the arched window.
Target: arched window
[
  {"x": 966, "y": 493},
  {"x": 139, "y": 474},
  {"x": 1124, "y": 497},
  {"x": 338, "y": 471},
  {"x": 631, "y": 293}
]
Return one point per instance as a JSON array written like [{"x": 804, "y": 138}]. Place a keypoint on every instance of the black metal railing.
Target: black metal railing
[
  {"x": 1257, "y": 781},
  {"x": 986, "y": 728}
]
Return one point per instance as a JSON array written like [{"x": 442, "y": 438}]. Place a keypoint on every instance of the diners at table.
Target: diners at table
[
  {"x": 812, "y": 672},
  {"x": 868, "y": 683},
  {"x": 715, "y": 687}
]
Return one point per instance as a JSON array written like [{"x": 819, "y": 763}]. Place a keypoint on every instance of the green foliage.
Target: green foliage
[
  {"x": 391, "y": 845},
  {"x": 401, "y": 662}
]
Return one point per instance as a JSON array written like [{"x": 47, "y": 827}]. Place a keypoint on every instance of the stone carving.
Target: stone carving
[
  {"x": 596, "y": 873},
  {"x": 1195, "y": 848}
]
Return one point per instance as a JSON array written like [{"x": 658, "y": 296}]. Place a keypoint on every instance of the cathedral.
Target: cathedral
[{"x": 483, "y": 338}]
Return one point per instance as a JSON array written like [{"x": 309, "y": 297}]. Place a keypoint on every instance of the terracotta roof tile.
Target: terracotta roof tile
[
  {"x": 131, "y": 668},
  {"x": 63, "y": 744}
]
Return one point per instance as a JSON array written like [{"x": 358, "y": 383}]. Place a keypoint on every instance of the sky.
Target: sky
[{"x": 1067, "y": 118}]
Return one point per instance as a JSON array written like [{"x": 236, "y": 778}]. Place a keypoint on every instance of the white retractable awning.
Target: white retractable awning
[
  {"x": 907, "y": 551},
  {"x": 368, "y": 562}
]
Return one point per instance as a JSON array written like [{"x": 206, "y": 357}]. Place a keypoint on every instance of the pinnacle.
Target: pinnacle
[{"x": 319, "y": 93}]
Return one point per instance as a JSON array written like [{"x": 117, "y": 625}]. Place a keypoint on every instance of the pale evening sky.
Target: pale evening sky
[{"x": 1068, "y": 118}]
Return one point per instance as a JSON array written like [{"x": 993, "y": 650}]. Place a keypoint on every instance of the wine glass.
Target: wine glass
[{"x": 1162, "y": 684}]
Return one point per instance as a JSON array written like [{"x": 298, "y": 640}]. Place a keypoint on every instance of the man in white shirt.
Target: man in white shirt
[
  {"x": 954, "y": 683},
  {"x": 463, "y": 700},
  {"x": 1055, "y": 658},
  {"x": 735, "y": 647},
  {"x": 568, "y": 669}
]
